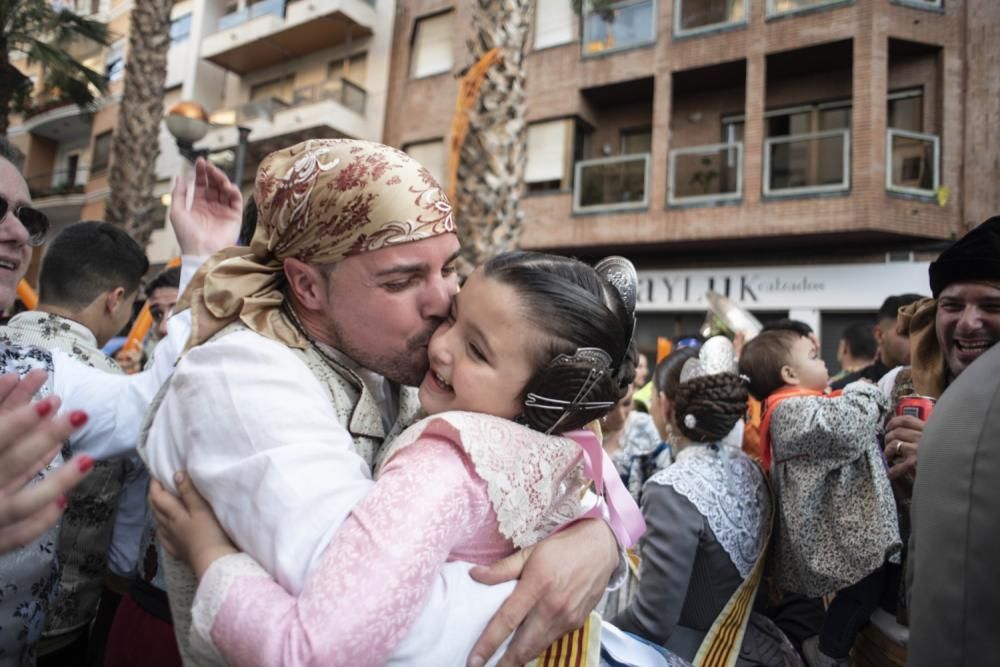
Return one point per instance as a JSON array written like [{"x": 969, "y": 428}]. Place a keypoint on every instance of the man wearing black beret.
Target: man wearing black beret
[{"x": 954, "y": 546}]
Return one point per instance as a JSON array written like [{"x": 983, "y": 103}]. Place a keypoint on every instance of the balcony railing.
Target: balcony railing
[
  {"x": 913, "y": 162},
  {"x": 256, "y": 109},
  {"x": 782, "y": 7},
  {"x": 611, "y": 184},
  {"x": 58, "y": 183},
  {"x": 622, "y": 25},
  {"x": 274, "y": 7},
  {"x": 342, "y": 91},
  {"x": 706, "y": 174},
  {"x": 808, "y": 163},
  {"x": 922, "y": 4},
  {"x": 692, "y": 17}
]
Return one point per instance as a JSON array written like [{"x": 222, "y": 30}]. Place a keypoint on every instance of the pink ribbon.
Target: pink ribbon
[{"x": 624, "y": 517}]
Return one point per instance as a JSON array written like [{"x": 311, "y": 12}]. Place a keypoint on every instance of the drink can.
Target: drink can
[{"x": 916, "y": 406}]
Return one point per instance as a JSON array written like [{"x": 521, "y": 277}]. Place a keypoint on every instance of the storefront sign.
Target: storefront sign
[{"x": 827, "y": 287}]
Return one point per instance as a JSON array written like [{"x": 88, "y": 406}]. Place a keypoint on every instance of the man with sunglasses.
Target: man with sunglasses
[
  {"x": 21, "y": 228},
  {"x": 108, "y": 409}
]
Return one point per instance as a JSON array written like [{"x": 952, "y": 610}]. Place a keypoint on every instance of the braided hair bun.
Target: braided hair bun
[
  {"x": 573, "y": 307},
  {"x": 716, "y": 402}
]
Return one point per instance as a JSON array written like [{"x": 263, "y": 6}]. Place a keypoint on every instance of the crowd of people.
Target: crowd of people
[{"x": 334, "y": 455}]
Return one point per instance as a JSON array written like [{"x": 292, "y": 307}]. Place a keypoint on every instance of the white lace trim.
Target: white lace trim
[
  {"x": 729, "y": 491},
  {"x": 534, "y": 481},
  {"x": 208, "y": 601}
]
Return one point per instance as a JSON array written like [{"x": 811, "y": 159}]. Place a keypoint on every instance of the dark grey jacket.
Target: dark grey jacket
[{"x": 954, "y": 584}]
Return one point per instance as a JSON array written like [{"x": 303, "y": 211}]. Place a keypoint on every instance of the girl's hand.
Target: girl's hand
[{"x": 187, "y": 527}]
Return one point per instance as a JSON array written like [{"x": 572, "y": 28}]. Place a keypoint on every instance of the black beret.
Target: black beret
[{"x": 975, "y": 256}]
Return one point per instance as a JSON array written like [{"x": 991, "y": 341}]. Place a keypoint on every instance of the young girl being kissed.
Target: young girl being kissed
[{"x": 536, "y": 347}]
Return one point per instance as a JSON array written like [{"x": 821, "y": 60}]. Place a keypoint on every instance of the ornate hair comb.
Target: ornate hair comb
[
  {"x": 716, "y": 356},
  {"x": 622, "y": 275},
  {"x": 600, "y": 362}
]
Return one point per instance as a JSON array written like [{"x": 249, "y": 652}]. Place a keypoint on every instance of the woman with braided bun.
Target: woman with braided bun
[
  {"x": 708, "y": 519},
  {"x": 536, "y": 347}
]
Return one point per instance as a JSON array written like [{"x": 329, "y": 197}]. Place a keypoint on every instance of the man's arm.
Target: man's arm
[
  {"x": 562, "y": 579},
  {"x": 116, "y": 404}
]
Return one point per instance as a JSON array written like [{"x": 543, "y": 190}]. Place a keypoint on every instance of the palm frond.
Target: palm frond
[{"x": 68, "y": 26}]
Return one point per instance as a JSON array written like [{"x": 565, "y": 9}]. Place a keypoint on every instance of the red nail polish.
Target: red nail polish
[
  {"x": 43, "y": 407},
  {"x": 62, "y": 502},
  {"x": 84, "y": 463},
  {"x": 78, "y": 418}
]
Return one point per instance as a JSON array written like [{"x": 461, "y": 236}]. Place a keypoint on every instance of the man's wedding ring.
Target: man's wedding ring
[{"x": 899, "y": 444}]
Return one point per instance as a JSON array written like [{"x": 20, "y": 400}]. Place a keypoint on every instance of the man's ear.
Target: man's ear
[
  {"x": 112, "y": 299},
  {"x": 788, "y": 375},
  {"x": 877, "y": 332},
  {"x": 306, "y": 283}
]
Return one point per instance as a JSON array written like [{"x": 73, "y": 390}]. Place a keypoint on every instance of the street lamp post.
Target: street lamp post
[{"x": 188, "y": 123}]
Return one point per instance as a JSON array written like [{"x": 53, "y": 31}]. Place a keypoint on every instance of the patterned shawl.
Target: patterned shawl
[{"x": 319, "y": 201}]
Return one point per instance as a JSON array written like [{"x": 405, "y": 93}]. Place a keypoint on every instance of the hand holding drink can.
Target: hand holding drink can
[{"x": 916, "y": 406}]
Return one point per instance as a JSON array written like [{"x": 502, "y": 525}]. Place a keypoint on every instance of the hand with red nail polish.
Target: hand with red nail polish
[{"x": 31, "y": 436}]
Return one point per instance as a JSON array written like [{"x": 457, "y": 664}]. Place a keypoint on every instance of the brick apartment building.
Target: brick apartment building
[
  {"x": 807, "y": 157},
  {"x": 284, "y": 69}
]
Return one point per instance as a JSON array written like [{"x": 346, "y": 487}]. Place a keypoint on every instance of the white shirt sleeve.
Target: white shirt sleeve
[
  {"x": 262, "y": 442},
  {"x": 116, "y": 404}
]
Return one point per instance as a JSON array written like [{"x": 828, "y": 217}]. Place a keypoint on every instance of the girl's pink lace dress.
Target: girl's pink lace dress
[{"x": 455, "y": 486}]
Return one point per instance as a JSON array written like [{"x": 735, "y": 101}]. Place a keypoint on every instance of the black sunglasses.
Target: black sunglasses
[{"x": 33, "y": 220}]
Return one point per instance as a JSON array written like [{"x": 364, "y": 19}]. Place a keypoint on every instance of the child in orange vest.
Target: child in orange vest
[{"x": 835, "y": 510}]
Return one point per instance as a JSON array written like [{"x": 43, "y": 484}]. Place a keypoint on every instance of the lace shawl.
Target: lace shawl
[
  {"x": 729, "y": 491},
  {"x": 534, "y": 481}
]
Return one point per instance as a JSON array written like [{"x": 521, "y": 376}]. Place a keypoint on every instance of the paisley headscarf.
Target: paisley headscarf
[{"x": 319, "y": 201}]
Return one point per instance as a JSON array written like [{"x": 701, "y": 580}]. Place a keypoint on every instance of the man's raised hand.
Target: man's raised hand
[{"x": 213, "y": 220}]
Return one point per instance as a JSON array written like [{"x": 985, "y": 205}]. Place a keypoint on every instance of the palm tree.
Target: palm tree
[
  {"x": 136, "y": 138},
  {"x": 41, "y": 32},
  {"x": 492, "y": 155}
]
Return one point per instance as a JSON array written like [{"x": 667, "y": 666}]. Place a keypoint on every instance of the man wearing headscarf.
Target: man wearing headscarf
[
  {"x": 305, "y": 351},
  {"x": 947, "y": 333}
]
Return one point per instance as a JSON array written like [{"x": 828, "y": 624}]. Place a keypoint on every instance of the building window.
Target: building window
[
  {"x": 550, "y": 155},
  {"x": 637, "y": 141},
  {"x": 431, "y": 155},
  {"x": 623, "y": 24},
  {"x": 354, "y": 69},
  {"x": 695, "y": 16},
  {"x": 180, "y": 29},
  {"x": 555, "y": 23},
  {"x": 114, "y": 64},
  {"x": 69, "y": 176},
  {"x": 913, "y": 156},
  {"x": 807, "y": 149},
  {"x": 779, "y": 7},
  {"x": 906, "y": 110},
  {"x": 432, "y": 51},
  {"x": 100, "y": 156}
]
